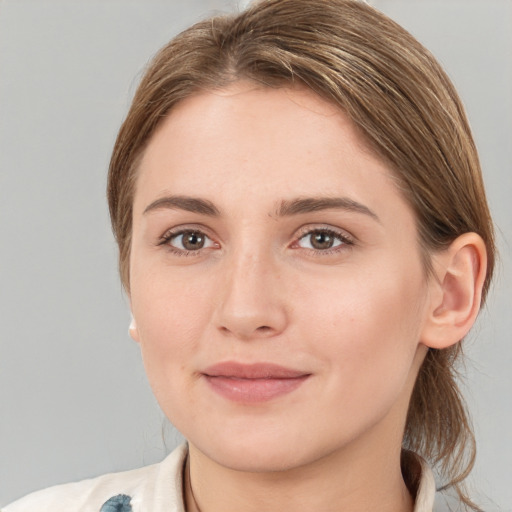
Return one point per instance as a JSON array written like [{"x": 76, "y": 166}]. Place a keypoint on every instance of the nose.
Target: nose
[{"x": 252, "y": 299}]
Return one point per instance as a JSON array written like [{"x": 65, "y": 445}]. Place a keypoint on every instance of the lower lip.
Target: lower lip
[{"x": 253, "y": 390}]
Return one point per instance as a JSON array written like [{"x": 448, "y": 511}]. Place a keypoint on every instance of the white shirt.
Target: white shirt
[{"x": 156, "y": 488}]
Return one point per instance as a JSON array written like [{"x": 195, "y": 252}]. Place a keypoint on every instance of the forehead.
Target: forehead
[
  {"x": 247, "y": 142},
  {"x": 250, "y": 119}
]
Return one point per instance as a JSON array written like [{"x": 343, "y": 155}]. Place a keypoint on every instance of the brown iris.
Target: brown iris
[
  {"x": 192, "y": 240},
  {"x": 322, "y": 240}
]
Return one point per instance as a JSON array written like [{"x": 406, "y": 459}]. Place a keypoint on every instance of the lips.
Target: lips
[{"x": 252, "y": 383}]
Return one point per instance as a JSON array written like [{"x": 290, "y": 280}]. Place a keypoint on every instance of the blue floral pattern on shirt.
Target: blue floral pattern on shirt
[{"x": 119, "y": 503}]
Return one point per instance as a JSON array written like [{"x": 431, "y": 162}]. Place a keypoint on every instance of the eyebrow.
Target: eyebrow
[
  {"x": 286, "y": 208},
  {"x": 189, "y": 204},
  {"x": 315, "y": 204}
]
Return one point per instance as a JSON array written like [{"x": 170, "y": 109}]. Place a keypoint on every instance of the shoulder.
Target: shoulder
[{"x": 155, "y": 488}]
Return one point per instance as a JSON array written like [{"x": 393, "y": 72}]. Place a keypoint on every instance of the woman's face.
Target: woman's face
[{"x": 276, "y": 280}]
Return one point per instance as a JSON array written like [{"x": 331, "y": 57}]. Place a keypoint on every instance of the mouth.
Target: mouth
[{"x": 253, "y": 383}]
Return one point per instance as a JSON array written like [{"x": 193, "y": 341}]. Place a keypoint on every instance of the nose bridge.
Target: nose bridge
[{"x": 251, "y": 302}]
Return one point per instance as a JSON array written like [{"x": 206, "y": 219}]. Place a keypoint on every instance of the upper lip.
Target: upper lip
[{"x": 252, "y": 371}]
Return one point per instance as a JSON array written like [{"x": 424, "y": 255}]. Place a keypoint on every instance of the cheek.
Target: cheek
[
  {"x": 169, "y": 308},
  {"x": 171, "y": 315},
  {"x": 366, "y": 331}
]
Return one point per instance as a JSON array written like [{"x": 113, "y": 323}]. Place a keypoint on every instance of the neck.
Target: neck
[{"x": 351, "y": 482}]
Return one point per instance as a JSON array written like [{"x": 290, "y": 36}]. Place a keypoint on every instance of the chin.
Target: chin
[
  {"x": 255, "y": 458},
  {"x": 263, "y": 451}
]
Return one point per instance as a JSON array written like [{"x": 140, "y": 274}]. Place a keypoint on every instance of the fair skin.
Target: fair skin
[{"x": 264, "y": 232}]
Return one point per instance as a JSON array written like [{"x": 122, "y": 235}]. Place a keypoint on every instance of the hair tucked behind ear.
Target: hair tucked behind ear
[
  {"x": 438, "y": 425},
  {"x": 403, "y": 105}
]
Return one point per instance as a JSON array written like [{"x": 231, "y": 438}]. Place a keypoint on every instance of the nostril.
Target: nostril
[{"x": 264, "y": 328}]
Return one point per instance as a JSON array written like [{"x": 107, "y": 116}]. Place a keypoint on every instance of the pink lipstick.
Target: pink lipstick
[{"x": 252, "y": 383}]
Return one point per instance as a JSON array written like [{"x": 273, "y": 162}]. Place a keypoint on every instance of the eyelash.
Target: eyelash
[{"x": 346, "y": 241}]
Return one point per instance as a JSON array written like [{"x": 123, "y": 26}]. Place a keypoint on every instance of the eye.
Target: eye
[
  {"x": 322, "y": 240},
  {"x": 187, "y": 240}
]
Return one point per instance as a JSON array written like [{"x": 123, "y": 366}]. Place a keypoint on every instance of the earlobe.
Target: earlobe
[
  {"x": 132, "y": 330},
  {"x": 455, "y": 291}
]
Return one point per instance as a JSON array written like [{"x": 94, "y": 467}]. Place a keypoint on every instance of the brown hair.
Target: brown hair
[{"x": 404, "y": 106}]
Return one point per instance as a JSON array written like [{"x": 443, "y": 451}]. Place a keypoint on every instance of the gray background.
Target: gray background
[{"x": 74, "y": 401}]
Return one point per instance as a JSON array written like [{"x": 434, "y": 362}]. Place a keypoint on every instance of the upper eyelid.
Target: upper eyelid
[
  {"x": 184, "y": 228},
  {"x": 311, "y": 228}
]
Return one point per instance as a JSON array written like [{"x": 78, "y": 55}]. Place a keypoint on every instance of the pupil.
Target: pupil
[
  {"x": 193, "y": 241},
  {"x": 322, "y": 241}
]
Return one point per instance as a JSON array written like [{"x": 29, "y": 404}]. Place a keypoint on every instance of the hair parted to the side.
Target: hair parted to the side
[{"x": 404, "y": 106}]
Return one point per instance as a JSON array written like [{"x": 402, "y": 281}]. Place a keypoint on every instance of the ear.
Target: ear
[
  {"x": 132, "y": 330},
  {"x": 455, "y": 291}
]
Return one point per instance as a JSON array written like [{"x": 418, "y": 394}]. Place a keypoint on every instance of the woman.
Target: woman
[{"x": 304, "y": 240}]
